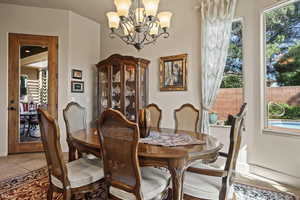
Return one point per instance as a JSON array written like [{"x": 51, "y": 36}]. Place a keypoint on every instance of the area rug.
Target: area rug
[
  {"x": 33, "y": 186},
  {"x": 246, "y": 192}
]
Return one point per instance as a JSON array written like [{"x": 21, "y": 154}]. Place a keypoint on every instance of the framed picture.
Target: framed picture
[
  {"x": 76, "y": 74},
  {"x": 173, "y": 73},
  {"x": 77, "y": 86}
]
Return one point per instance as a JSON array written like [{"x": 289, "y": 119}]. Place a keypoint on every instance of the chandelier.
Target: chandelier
[{"x": 138, "y": 24}]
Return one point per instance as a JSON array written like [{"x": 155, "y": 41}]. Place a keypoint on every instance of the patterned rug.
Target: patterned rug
[
  {"x": 33, "y": 186},
  {"x": 246, "y": 192}
]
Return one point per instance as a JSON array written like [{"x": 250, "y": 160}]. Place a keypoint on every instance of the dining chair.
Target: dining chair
[
  {"x": 155, "y": 115},
  {"x": 75, "y": 120},
  {"x": 119, "y": 139},
  {"x": 208, "y": 182},
  {"x": 23, "y": 119},
  {"x": 76, "y": 177},
  {"x": 186, "y": 118},
  {"x": 33, "y": 120}
]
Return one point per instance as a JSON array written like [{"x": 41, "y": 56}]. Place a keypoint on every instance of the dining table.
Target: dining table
[{"x": 174, "y": 158}]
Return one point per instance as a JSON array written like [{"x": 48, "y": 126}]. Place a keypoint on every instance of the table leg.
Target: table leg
[{"x": 177, "y": 175}]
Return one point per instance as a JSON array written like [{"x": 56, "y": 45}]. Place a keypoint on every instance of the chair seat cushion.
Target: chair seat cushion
[
  {"x": 218, "y": 164},
  {"x": 202, "y": 186},
  {"x": 81, "y": 172},
  {"x": 154, "y": 183}
]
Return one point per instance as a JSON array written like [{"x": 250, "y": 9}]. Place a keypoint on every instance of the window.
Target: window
[
  {"x": 230, "y": 96},
  {"x": 282, "y": 67}
]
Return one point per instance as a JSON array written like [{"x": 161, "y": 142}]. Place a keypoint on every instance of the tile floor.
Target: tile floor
[{"x": 18, "y": 164}]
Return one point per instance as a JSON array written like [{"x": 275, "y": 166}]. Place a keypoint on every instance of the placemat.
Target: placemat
[{"x": 170, "y": 139}]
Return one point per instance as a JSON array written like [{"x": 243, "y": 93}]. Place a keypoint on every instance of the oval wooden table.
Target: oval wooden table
[{"x": 175, "y": 159}]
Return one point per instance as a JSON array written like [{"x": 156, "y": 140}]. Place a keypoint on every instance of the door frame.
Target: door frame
[{"x": 15, "y": 42}]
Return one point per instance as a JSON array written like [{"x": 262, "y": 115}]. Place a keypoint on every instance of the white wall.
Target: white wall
[
  {"x": 41, "y": 21},
  {"x": 84, "y": 53}
]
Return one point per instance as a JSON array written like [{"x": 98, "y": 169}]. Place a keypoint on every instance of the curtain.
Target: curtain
[{"x": 216, "y": 21}]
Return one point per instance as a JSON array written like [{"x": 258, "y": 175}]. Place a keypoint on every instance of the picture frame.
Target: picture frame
[
  {"x": 77, "y": 86},
  {"x": 173, "y": 73},
  {"x": 76, "y": 74}
]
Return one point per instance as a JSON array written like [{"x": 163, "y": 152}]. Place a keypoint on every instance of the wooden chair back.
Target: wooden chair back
[
  {"x": 75, "y": 118},
  {"x": 234, "y": 147},
  {"x": 186, "y": 118},
  {"x": 119, "y": 145},
  {"x": 50, "y": 135},
  {"x": 155, "y": 115}
]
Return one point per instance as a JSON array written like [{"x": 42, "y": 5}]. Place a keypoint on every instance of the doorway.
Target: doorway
[{"x": 32, "y": 84}]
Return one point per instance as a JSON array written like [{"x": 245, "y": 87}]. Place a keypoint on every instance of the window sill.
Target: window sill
[{"x": 286, "y": 133}]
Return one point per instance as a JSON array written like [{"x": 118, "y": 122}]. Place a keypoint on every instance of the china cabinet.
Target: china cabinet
[{"x": 122, "y": 85}]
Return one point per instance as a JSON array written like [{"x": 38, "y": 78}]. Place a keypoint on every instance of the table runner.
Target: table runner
[{"x": 170, "y": 139}]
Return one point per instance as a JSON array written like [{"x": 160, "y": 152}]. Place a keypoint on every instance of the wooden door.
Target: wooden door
[{"x": 32, "y": 83}]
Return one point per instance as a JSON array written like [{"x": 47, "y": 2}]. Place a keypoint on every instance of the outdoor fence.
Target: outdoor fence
[{"x": 229, "y": 100}]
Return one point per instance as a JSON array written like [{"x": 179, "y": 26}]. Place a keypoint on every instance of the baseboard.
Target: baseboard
[
  {"x": 3, "y": 154},
  {"x": 275, "y": 175}
]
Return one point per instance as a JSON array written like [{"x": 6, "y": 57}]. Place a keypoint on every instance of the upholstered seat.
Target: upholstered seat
[
  {"x": 153, "y": 183},
  {"x": 81, "y": 172},
  {"x": 202, "y": 186},
  {"x": 218, "y": 164}
]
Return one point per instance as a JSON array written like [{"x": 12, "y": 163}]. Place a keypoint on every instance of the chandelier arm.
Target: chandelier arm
[
  {"x": 126, "y": 41},
  {"x": 154, "y": 39},
  {"x": 135, "y": 37},
  {"x": 151, "y": 42},
  {"x": 122, "y": 38},
  {"x": 129, "y": 35},
  {"x": 149, "y": 37},
  {"x": 165, "y": 34},
  {"x": 147, "y": 32},
  {"x": 145, "y": 36}
]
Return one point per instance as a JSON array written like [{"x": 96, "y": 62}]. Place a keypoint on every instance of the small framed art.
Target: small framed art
[
  {"x": 77, "y": 86},
  {"x": 76, "y": 74}
]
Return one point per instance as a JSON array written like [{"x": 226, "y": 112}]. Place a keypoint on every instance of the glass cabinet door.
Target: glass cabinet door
[
  {"x": 130, "y": 89},
  {"x": 103, "y": 88},
  {"x": 143, "y": 88},
  {"x": 116, "y": 88}
]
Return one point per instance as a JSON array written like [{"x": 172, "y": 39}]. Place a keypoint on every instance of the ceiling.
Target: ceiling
[
  {"x": 26, "y": 51},
  {"x": 93, "y": 9}
]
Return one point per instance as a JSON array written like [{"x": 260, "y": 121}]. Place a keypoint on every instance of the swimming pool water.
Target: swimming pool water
[{"x": 285, "y": 124}]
